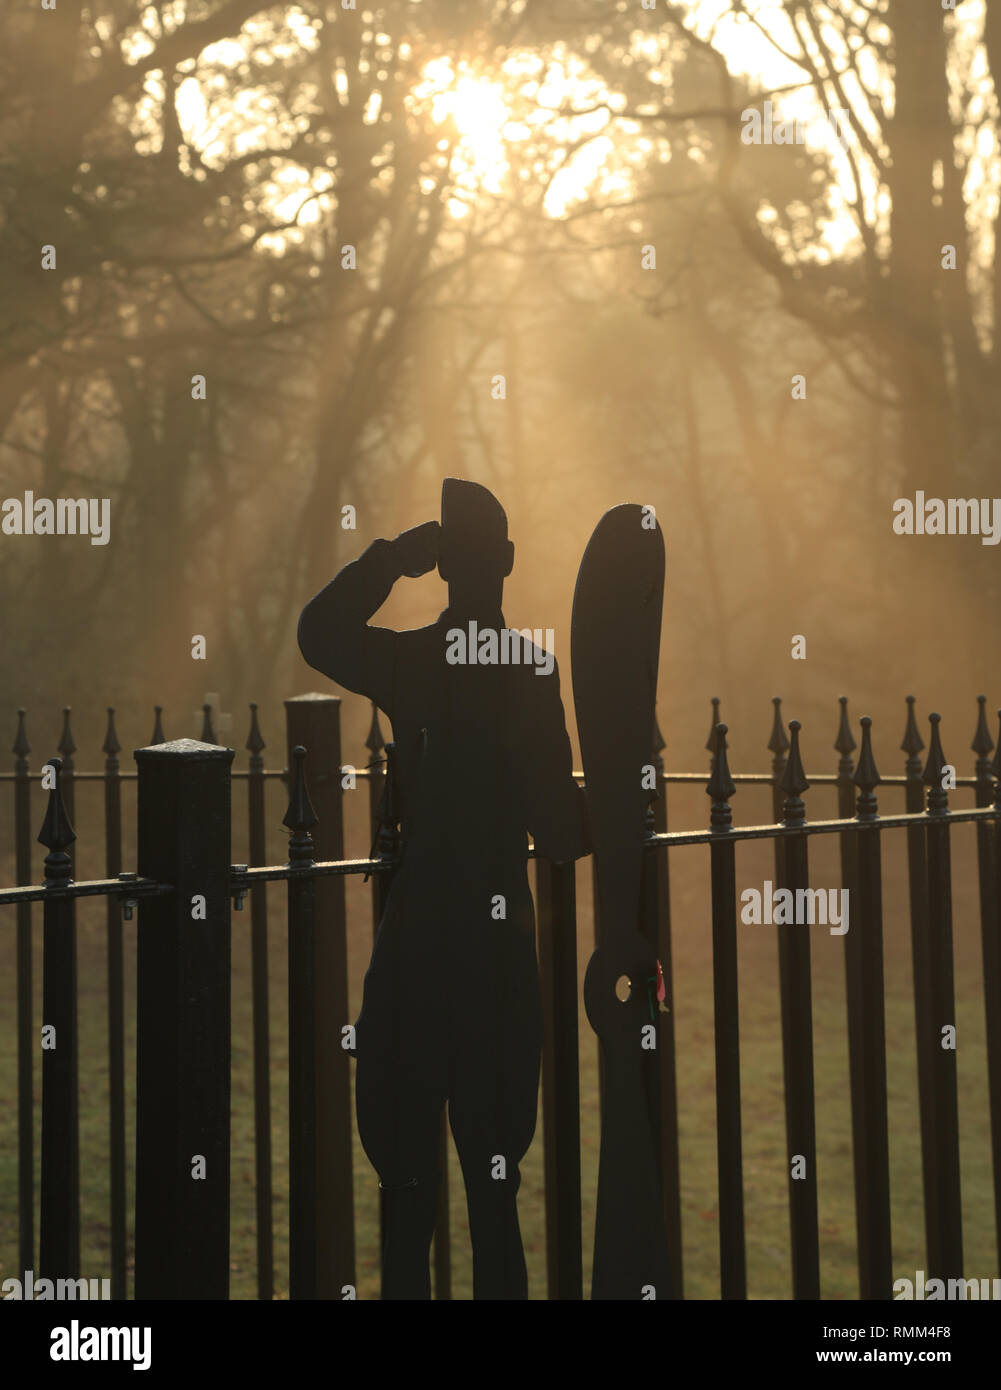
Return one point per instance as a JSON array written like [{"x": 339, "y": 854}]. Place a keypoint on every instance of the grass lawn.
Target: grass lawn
[{"x": 764, "y": 1156}]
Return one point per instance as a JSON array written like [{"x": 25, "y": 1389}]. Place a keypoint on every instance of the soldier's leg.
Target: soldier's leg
[
  {"x": 493, "y": 1100},
  {"x": 400, "y": 1087}
]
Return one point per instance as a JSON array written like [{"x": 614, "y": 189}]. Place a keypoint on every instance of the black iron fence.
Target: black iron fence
[{"x": 184, "y": 885}]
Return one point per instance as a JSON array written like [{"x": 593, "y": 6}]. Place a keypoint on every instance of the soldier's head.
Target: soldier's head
[{"x": 474, "y": 553}]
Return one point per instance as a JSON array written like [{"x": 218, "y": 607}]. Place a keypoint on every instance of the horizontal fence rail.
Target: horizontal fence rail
[{"x": 184, "y": 998}]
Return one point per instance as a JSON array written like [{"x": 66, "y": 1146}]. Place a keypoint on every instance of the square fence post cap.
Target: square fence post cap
[
  {"x": 188, "y": 749},
  {"x": 315, "y": 698}
]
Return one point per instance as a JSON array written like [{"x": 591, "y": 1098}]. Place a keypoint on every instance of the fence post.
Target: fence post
[
  {"x": 313, "y": 721},
  {"x": 183, "y": 1023},
  {"x": 25, "y": 1066},
  {"x": 59, "y": 1252},
  {"x": 116, "y": 1005}
]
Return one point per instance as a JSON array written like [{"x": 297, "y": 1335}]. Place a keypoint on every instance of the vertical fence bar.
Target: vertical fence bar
[
  {"x": 855, "y": 985},
  {"x": 797, "y": 1043},
  {"x": 844, "y": 744},
  {"x": 991, "y": 943},
  {"x": 733, "y": 1262},
  {"x": 943, "y": 1045},
  {"x": 116, "y": 1007},
  {"x": 872, "y": 1151},
  {"x": 25, "y": 989},
  {"x": 924, "y": 1023},
  {"x": 555, "y": 892},
  {"x": 313, "y": 721},
  {"x": 59, "y": 1242},
  {"x": 67, "y": 777},
  {"x": 656, "y": 926},
  {"x": 261, "y": 1012},
  {"x": 183, "y": 1023},
  {"x": 302, "y": 1018}
]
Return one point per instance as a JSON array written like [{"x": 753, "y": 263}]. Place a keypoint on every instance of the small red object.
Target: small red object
[{"x": 661, "y": 988}]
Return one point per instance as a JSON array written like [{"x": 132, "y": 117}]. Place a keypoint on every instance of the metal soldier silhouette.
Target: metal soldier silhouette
[{"x": 451, "y": 1008}]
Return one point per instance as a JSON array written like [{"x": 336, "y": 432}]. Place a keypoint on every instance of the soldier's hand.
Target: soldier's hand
[{"x": 417, "y": 549}]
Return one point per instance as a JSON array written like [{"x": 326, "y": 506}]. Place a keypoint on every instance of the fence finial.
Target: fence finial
[
  {"x": 208, "y": 733},
  {"x": 713, "y": 727},
  {"x": 996, "y": 766},
  {"x": 255, "y": 740},
  {"x": 21, "y": 747},
  {"x": 982, "y": 741},
  {"x": 913, "y": 742},
  {"x": 938, "y": 797},
  {"x": 56, "y": 834},
  {"x": 300, "y": 816},
  {"x": 844, "y": 743},
  {"x": 778, "y": 743},
  {"x": 111, "y": 747},
  {"x": 794, "y": 781},
  {"x": 721, "y": 785},
  {"x": 66, "y": 745},
  {"x": 158, "y": 735},
  {"x": 867, "y": 777},
  {"x": 375, "y": 742}
]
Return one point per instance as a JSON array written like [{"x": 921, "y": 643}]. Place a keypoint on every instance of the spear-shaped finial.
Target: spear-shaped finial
[
  {"x": 912, "y": 742},
  {"x": 66, "y": 745},
  {"x": 111, "y": 747},
  {"x": 208, "y": 733},
  {"x": 867, "y": 777},
  {"x": 300, "y": 816},
  {"x": 844, "y": 743},
  {"x": 714, "y": 726},
  {"x": 982, "y": 741},
  {"x": 721, "y": 785},
  {"x": 778, "y": 744},
  {"x": 374, "y": 742},
  {"x": 938, "y": 797},
  {"x": 794, "y": 781},
  {"x": 255, "y": 740},
  {"x": 57, "y": 833},
  {"x": 158, "y": 735}
]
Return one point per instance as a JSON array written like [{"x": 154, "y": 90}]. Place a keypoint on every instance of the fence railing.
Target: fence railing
[{"x": 184, "y": 884}]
